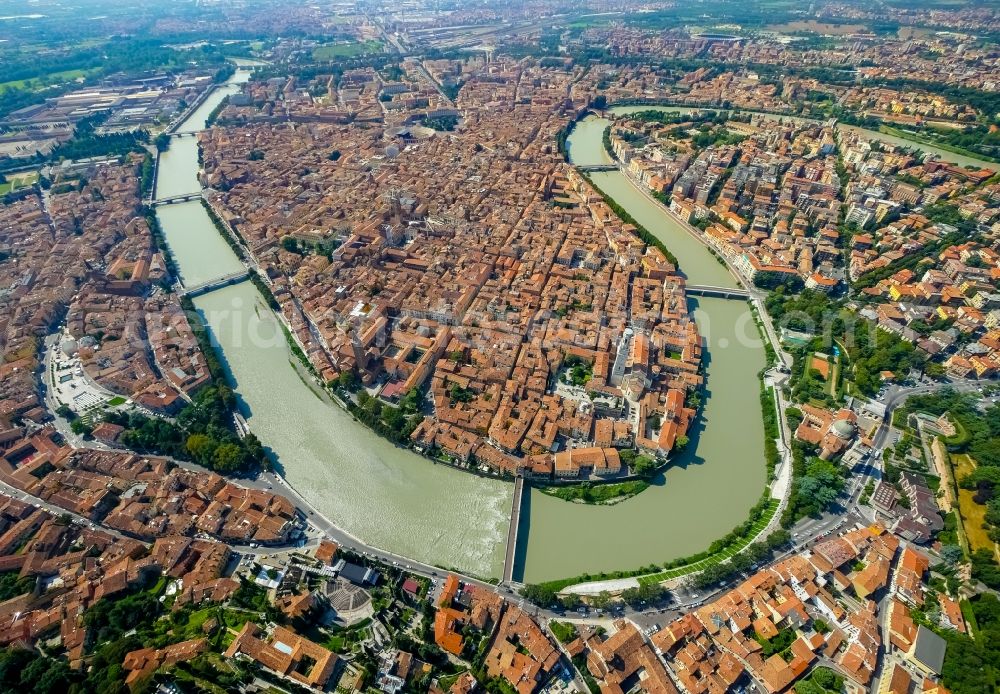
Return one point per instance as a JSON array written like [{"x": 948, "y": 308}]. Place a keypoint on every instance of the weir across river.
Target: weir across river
[{"x": 515, "y": 522}]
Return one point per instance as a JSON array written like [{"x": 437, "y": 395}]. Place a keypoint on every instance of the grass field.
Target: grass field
[
  {"x": 970, "y": 618},
  {"x": 972, "y": 514},
  {"x": 812, "y": 26},
  {"x": 24, "y": 179},
  {"x": 51, "y": 78},
  {"x": 17, "y": 181},
  {"x": 834, "y": 378},
  {"x": 593, "y": 21},
  {"x": 346, "y": 50}
]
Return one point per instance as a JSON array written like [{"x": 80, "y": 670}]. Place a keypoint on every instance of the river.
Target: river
[
  {"x": 200, "y": 256},
  {"x": 388, "y": 497},
  {"x": 708, "y": 490},
  {"x": 398, "y": 501}
]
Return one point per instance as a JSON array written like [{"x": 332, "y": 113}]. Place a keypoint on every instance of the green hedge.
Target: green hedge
[
  {"x": 770, "y": 415},
  {"x": 214, "y": 115},
  {"x": 238, "y": 248},
  {"x": 244, "y": 255}
]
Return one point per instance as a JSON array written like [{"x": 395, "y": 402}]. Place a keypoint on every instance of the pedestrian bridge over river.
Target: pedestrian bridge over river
[
  {"x": 175, "y": 198},
  {"x": 217, "y": 283},
  {"x": 718, "y": 292}
]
